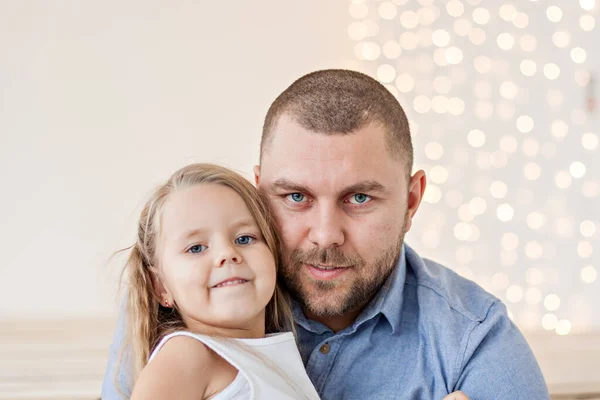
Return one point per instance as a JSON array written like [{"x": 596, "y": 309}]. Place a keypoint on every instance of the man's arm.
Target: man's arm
[
  {"x": 118, "y": 376},
  {"x": 497, "y": 362}
]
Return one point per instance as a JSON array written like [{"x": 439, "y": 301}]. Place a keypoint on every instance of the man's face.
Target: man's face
[{"x": 341, "y": 205}]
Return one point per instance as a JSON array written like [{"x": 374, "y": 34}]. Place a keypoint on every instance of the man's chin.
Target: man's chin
[
  {"x": 324, "y": 302},
  {"x": 322, "y": 298}
]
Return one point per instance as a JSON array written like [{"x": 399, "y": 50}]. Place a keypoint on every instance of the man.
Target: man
[{"x": 374, "y": 320}]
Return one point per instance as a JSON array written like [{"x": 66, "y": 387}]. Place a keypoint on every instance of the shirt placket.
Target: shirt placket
[{"x": 321, "y": 360}]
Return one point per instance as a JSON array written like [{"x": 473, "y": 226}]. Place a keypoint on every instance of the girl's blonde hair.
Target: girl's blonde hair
[{"x": 147, "y": 322}]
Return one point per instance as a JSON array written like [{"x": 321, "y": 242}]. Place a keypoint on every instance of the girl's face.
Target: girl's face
[{"x": 214, "y": 263}]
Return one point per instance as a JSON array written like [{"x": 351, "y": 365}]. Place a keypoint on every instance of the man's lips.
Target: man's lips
[
  {"x": 235, "y": 281},
  {"x": 326, "y": 272}
]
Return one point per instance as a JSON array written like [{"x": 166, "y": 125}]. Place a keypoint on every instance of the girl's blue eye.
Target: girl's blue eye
[
  {"x": 197, "y": 248},
  {"x": 359, "y": 198},
  {"x": 245, "y": 239},
  {"x": 296, "y": 197}
]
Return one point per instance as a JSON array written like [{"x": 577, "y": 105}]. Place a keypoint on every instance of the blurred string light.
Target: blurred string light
[
  {"x": 554, "y": 13},
  {"x": 587, "y": 23},
  {"x": 561, "y": 39},
  {"x": 587, "y": 5},
  {"x": 465, "y": 61}
]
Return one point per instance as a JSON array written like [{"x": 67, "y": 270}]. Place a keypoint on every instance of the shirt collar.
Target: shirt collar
[
  {"x": 390, "y": 298},
  {"x": 388, "y": 302}
]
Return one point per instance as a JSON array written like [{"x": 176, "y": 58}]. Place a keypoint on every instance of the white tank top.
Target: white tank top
[{"x": 268, "y": 368}]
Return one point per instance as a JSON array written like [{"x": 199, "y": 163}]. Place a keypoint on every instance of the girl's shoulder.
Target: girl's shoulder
[{"x": 180, "y": 364}]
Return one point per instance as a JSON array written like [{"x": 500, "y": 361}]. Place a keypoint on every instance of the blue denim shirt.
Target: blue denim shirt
[{"x": 427, "y": 333}]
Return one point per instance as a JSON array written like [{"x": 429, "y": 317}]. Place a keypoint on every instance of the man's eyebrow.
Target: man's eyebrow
[
  {"x": 289, "y": 186},
  {"x": 368, "y": 186}
]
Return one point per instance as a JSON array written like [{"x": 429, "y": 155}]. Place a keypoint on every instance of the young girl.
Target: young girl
[{"x": 203, "y": 295}]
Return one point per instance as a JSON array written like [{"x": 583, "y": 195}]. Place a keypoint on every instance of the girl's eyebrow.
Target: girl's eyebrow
[
  {"x": 240, "y": 223},
  {"x": 244, "y": 223},
  {"x": 190, "y": 233}
]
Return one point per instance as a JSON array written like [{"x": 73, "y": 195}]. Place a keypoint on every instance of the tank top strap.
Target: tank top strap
[{"x": 213, "y": 344}]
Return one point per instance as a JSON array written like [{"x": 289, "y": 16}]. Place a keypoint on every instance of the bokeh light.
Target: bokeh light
[{"x": 502, "y": 116}]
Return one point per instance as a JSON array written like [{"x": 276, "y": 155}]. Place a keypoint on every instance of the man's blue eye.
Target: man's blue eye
[
  {"x": 244, "y": 240},
  {"x": 197, "y": 248},
  {"x": 296, "y": 197},
  {"x": 359, "y": 198}
]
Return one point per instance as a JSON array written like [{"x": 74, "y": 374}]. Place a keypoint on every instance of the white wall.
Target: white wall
[{"x": 101, "y": 101}]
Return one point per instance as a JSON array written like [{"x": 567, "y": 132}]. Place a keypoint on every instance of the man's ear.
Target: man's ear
[
  {"x": 256, "y": 170},
  {"x": 416, "y": 188}
]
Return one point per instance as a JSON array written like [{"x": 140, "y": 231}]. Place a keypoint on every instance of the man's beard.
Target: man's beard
[{"x": 320, "y": 298}]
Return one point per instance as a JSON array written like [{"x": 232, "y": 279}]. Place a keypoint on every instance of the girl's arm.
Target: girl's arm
[{"x": 181, "y": 369}]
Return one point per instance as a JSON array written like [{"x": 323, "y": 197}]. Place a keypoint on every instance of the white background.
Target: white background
[{"x": 101, "y": 101}]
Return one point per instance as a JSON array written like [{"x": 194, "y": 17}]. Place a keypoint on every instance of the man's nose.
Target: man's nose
[{"x": 326, "y": 228}]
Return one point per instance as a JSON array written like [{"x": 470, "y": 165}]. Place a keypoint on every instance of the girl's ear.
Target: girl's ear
[{"x": 160, "y": 290}]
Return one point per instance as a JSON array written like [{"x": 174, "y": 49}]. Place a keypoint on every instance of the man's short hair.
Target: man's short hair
[{"x": 339, "y": 101}]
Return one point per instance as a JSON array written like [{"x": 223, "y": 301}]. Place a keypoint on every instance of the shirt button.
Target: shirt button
[{"x": 325, "y": 348}]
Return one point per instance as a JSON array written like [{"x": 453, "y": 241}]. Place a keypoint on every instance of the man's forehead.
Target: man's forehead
[
  {"x": 332, "y": 160},
  {"x": 290, "y": 139}
]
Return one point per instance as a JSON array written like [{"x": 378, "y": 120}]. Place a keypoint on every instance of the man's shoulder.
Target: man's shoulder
[
  {"x": 473, "y": 330},
  {"x": 439, "y": 286}
]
